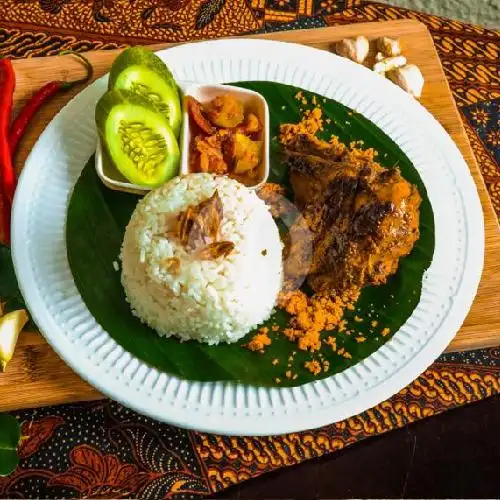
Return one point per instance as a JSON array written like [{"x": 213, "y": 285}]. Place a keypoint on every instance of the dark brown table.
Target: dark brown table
[{"x": 453, "y": 455}]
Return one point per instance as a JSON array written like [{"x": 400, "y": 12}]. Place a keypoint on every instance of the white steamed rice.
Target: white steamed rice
[{"x": 208, "y": 300}]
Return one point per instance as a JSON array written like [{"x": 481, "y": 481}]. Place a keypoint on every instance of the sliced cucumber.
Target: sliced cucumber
[
  {"x": 141, "y": 71},
  {"x": 138, "y": 139}
]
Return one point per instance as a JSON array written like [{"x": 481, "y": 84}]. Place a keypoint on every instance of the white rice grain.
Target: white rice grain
[{"x": 211, "y": 300}]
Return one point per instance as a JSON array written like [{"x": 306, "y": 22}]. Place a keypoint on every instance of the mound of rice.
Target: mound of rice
[{"x": 210, "y": 301}]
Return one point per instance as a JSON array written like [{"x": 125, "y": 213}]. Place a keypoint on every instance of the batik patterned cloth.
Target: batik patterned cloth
[{"x": 104, "y": 450}]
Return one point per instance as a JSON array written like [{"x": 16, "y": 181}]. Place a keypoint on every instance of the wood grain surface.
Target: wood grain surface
[{"x": 37, "y": 376}]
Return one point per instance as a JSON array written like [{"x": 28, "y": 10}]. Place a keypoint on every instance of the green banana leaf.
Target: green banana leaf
[
  {"x": 96, "y": 222},
  {"x": 10, "y": 296},
  {"x": 9, "y": 291},
  {"x": 10, "y": 434}
]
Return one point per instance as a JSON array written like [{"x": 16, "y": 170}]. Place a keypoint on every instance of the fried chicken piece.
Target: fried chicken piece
[{"x": 364, "y": 217}]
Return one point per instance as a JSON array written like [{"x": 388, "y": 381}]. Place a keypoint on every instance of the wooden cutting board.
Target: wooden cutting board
[{"x": 37, "y": 376}]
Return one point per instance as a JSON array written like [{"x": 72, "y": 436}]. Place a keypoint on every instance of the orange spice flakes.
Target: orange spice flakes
[
  {"x": 332, "y": 342},
  {"x": 310, "y": 341},
  {"x": 293, "y": 302},
  {"x": 359, "y": 340},
  {"x": 312, "y": 315},
  {"x": 311, "y": 123},
  {"x": 277, "y": 380},
  {"x": 275, "y": 328},
  {"x": 270, "y": 188},
  {"x": 358, "y": 319},
  {"x": 299, "y": 96},
  {"x": 292, "y": 334},
  {"x": 275, "y": 361},
  {"x": 322, "y": 311},
  {"x": 260, "y": 340},
  {"x": 326, "y": 365},
  {"x": 347, "y": 355},
  {"x": 313, "y": 366},
  {"x": 385, "y": 332},
  {"x": 374, "y": 323},
  {"x": 356, "y": 144},
  {"x": 357, "y": 155},
  {"x": 335, "y": 144}
]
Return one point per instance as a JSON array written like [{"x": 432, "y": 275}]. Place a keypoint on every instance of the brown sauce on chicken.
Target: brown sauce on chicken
[{"x": 363, "y": 217}]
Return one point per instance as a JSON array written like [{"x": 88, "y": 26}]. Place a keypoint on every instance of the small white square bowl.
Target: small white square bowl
[
  {"x": 252, "y": 101},
  {"x": 110, "y": 176}
]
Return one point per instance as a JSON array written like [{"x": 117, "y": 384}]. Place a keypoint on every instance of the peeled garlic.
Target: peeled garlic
[
  {"x": 355, "y": 49},
  {"x": 389, "y": 47},
  {"x": 388, "y": 64},
  {"x": 409, "y": 78},
  {"x": 10, "y": 326}
]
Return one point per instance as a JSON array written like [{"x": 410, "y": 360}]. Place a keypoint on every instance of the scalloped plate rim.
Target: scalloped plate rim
[{"x": 291, "y": 418}]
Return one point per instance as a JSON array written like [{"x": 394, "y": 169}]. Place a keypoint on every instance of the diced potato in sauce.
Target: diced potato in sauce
[
  {"x": 246, "y": 154},
  {"x": 251, "y": 125},
  {"x": 225, "y": 111}
]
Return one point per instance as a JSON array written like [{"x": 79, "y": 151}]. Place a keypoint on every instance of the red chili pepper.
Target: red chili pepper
[
  {"x": 43, "y": 95},
  {"x": 8, "y": 178}
]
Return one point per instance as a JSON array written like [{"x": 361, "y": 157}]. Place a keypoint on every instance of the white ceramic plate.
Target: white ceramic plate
[{"x": 449, "y": 286}]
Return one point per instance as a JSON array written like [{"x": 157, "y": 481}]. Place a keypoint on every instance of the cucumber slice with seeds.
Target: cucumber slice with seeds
[
  {"x": 138, "y": 139},
  {"x": 141, "y": 71}
]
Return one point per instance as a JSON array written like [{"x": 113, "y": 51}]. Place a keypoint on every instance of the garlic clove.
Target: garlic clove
[
  {"x": 389, "y": 63},
  {"x": 409, "y": 78},
  {"x": 389, "y": 47},
  {"x": 362, "y": 48},
  {"x": 346, "y": 48},
  {"x": 355, "y": 49}
]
